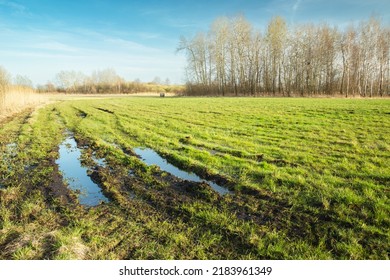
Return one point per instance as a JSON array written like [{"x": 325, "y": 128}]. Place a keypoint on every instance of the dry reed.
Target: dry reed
[{"x": 14, "y": 99}]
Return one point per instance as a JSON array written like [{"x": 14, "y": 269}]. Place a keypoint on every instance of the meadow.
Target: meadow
[{"x": 305, "y": 178}]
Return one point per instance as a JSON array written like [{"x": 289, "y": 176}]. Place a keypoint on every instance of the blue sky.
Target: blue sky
[{"x": 138, "y": 39}]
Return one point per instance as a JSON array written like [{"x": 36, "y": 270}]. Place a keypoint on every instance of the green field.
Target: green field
[{"x": 308, "y": 179}]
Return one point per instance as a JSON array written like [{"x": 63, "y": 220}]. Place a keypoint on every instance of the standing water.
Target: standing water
[
  {"x": 150, "y": 157},
  {"x": 70, "y": 166}
]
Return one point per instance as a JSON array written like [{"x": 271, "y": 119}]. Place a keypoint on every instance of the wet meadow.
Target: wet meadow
[{"x": 197, "y": 178}]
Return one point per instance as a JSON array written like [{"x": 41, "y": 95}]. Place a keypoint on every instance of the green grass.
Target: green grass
[{"x": 310, "y": 180}]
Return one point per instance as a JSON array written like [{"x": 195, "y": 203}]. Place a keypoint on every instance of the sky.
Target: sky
[{"x": 138, "y": 39}]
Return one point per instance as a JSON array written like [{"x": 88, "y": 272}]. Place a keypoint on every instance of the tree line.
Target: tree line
[
  {"x": 100, "y": 81},
  {"x": 104, "y": 81},
  {"x": 305, "y": 60}
]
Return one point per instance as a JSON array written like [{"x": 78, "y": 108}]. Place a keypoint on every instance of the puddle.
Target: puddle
[
  {"x": 132, "y": 195},
  {"x": 8, "y": 155},
  {"x": 99, "y": 161},
  {"x": 76, "y": 174},
  {"x": 11, "y": 149},
  {"x": 11, "y": 146},
  {"x": 30, "y": 167},
  {"x": 150, "y": 157},
  {"x": 82, "y": 115}
]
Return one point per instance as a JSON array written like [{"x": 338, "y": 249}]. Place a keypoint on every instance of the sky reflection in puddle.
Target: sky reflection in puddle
[
  {"x": 76, "y": 175},
  {"x": 150, "y": 157}
]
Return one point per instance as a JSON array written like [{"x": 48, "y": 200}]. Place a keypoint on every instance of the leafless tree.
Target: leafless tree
[{"x": 303, "y": 60}]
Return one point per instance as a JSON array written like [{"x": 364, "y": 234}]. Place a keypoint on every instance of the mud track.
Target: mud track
[{"x": 128, "y": 185}]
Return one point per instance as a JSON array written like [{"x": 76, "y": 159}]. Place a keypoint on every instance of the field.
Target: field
[{"x": 301, "y": 179}]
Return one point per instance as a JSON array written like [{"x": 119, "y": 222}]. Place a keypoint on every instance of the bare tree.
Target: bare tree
[
  {"x": 347, "y": 41},
  {"x": 69, "y": 81},
  {"x": 307, "y": 59},
  {"x": 383, "y": 59},
  {"x": 23, "y": 81},
  {"x": 276, "y": 37},
  {"x": 219, "y": 35}
]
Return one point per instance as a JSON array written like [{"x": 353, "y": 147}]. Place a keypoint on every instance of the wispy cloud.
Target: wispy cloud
[
  {"x": 148, "y": 35},
  {"x": 155, "y": 12},
  {"x": 118, "y": 43},
  {"x": 55, "y": 46},
  {"x": 16, "y": 8},
  {"x": 86, "y": 50},
  {"x": 296, "y": 5},
  {"x": 185, "y": 24}
]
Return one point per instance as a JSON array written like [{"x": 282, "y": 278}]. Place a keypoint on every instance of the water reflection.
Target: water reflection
[
  {"x": 99, "y": 161},
  {"x": 150, "y": 157},
  {"x": 76, "y": 175}
]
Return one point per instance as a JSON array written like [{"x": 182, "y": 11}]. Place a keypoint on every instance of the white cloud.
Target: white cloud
[
  {"x": 13, "y": 5},
  {"x": 16, "y": 8},
  {"x": 55, "y": 46},
  {"x": 40, "y": 54},
  {"x": 296, "y": 5},
  {"x": 116, "y": 43},
  {"x": 148, "y": 35}
]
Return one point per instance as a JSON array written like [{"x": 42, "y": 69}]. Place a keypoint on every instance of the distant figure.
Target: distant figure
[{"x": 162, "y": 94}]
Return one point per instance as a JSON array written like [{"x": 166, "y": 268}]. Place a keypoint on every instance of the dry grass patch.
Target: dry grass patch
[{"x": 16, "y": 98}]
